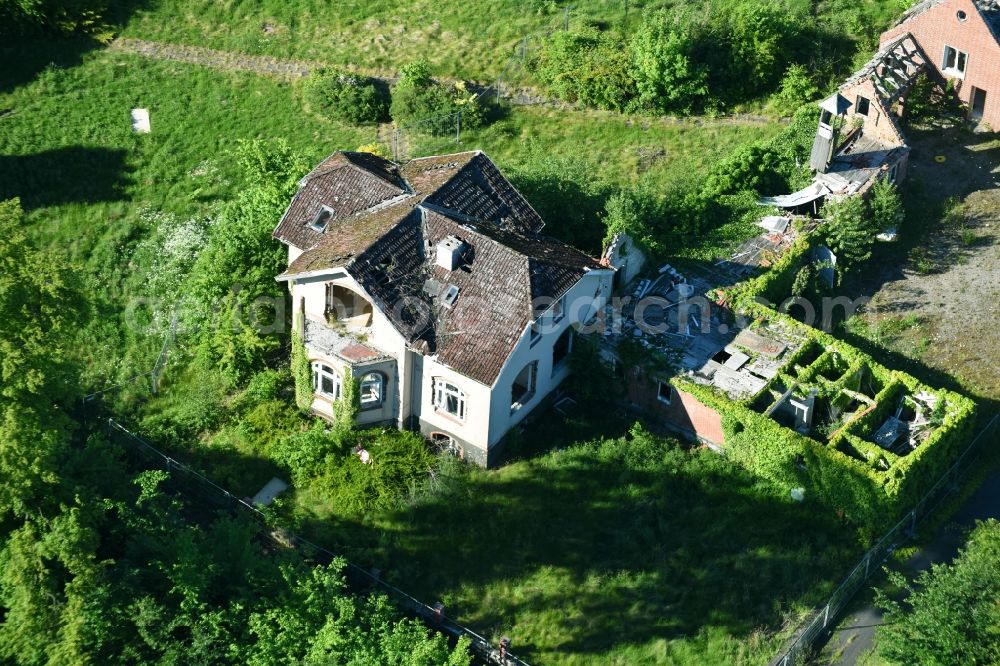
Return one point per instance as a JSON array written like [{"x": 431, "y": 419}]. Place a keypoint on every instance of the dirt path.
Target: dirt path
[
  {"x": 945, "y": 296},
  {"x": 295, "y": 69}
]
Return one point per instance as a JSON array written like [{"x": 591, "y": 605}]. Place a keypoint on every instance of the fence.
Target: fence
[
  {"x": 824, "y": 617},
  {"x": 192, "y": 483},
  {"x": 153, "y": 374}
]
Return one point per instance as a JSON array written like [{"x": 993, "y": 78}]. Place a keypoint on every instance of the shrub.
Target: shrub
[
  {"x": 886, "y": 205},
  {"x": 589, "y": 67},
  {"x": 850, "y": 230},
  {"x": 339, "y": 95},
  {"x": 304, "y": 454},
  {"x": 951, "y": 613},
  {"x": 429, "y": 106},
  {"x": 401, "y": 462},
  {"x": 797, "y": 88},
  {"x": 666, "y": 75}
]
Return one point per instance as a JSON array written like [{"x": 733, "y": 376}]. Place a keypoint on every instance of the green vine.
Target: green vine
[{"x": 301, "y": 373}]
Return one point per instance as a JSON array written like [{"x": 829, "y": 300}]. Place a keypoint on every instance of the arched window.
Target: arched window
[
  {"x": 448, "y": 398},
  {"x": 372, "y": 390},
  {"x": 326, "y": 381}
]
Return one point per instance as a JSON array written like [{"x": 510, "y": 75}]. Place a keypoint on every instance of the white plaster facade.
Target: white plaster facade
[{"x": 408, "y": 393}]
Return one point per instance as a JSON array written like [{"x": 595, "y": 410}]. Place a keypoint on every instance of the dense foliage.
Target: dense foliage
[
  {"x": 62, "y": 17},
  {"x": 100, "y": 564},
  {"x": 344, "y": 96},
  {"x": 425, "y": 105},
  {"x": 691, "y": 58},
  {"x": 850, "y": 231},
  {"x": 951, "y": 614}
]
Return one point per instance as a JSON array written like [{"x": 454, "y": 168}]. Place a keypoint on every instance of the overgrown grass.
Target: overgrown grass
[
  {"x": 460, "y": 39},
  {"x": 625, "y": 550}
]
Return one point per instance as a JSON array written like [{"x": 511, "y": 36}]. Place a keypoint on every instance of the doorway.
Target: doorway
[{"x": 978, "y": 103}]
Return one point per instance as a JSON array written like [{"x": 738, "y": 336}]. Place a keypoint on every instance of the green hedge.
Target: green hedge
[{"x": 860, "y": 491}]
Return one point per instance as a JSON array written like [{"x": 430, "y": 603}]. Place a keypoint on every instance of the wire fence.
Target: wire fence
[
  {"x": 154, "y": 374},
  {"x": 821, "y": 621},
  {"x": 194, "y": 484}
]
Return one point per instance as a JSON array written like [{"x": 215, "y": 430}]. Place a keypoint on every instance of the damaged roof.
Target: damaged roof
[
  {"x": 390, "y": 247},
  {"x": 350, "y": 185}
]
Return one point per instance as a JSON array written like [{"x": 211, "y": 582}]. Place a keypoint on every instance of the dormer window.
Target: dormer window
[{"x": 321, "y": 220}]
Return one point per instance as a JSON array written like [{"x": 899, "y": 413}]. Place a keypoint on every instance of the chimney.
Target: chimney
[
  {"x": 449, "y": 252},
  {"x": 826, "y": 136}
]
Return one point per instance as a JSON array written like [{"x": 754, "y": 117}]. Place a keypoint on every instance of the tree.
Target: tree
[
  {"x": 666, "y": 76},
  {"x": 234, "y": 298},
  {"x": 951, "y": 614},
  {"x": 344, "y": 96},
  {"x": 40, "y": 312},
  {"x": 589, "y": 67},
  {"x": 429, "y": 106},
  {"x": 849, "y": 230},
  {"x": 886, "y": 205}
]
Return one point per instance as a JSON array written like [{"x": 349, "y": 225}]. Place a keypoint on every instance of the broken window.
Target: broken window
[
  {"x": 862, "y": 106},
  {"x": 664, "y": 391},
  {"x": 372, "y": 386},
  {"x": 955, "y": 61},
  {"x": 449, "y": 399},
  {"x": 346, "y": 307},
  {"x": 561, "y": 349},
  {"x": 523, "y": 388},
  {"x": 326, "y": 382}
]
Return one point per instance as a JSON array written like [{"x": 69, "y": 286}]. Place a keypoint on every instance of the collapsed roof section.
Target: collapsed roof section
[
  {"x": 471, "y": 313},
  {"x": 892, "y": 71}
]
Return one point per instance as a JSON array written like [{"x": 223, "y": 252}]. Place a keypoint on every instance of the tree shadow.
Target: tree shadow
[
  {"x": 28, "y": 50},
  {"x": 602, "y": 546},
  {"x": 74, "y": 174}
]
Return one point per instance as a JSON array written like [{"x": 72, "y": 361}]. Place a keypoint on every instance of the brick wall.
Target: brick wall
[
  {"x": 939, "y": 27},
  {"x": 878, "y": 123},
  {"x": 683, "y": 413}
]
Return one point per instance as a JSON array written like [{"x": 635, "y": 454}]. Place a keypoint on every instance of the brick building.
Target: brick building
[{"x": 961, "y": 39}]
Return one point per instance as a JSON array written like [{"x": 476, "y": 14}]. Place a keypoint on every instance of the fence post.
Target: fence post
[{"x": 826, "y": 616}]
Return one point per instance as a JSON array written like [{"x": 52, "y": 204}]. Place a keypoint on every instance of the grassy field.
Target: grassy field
[
  {"x": 619, "y": 551},
  {"x": 625, "y": 551},
  {"x": 602, "y": 544},
  {"x": 95, "y": 189},
  {"x": 460, "y": 39}
]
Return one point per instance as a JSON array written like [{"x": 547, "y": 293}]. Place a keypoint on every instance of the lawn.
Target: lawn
[
  {"x": 626, "y": 550},
  {"x": 93, "y": 188},
  {"x": 460, "y": 39}
]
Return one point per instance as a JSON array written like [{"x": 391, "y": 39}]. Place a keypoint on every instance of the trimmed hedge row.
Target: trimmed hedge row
[{"x": 858, "y": 489}]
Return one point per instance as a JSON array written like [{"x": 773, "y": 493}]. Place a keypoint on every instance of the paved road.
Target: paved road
[{"x": 856, "y": 634}]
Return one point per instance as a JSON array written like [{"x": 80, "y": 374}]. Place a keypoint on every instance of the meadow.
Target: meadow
[
  {"x": 459, "y": 39},
  {"x": 589, "y": 550}
]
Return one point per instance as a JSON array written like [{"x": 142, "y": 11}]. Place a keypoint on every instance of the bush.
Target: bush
[
  {"x": 339, "y": 95},
  {"x": 589, "y": 67},
  {"x": 429, "y": 106},
  {"x": 667, "y": 77},
  {"x": 886, "y": 205},
  {"x": 849, "y": 230},
  {"x": 797, "y": 88},
  {"x": 951, "y": 614}
]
